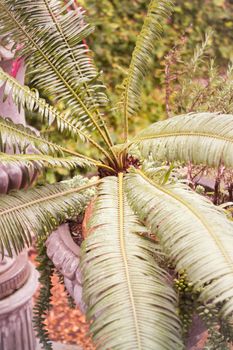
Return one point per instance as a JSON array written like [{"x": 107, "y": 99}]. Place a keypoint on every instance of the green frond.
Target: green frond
[
  {"x": 21, "y": 137},
  {"x": 158, "y": 11},
  {"x": 58, "y": 61},
  {"x": 129, "y": 297},
  {"x": 39, "y": 161},
  {"x": 197, "y": 235},
  {"x": 29, "y": 99},
  {"x": 40, "y": 210},
  {"x": 202, "y": 138}
]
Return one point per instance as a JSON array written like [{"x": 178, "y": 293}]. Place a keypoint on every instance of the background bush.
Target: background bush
[{"x": 118, "y": 23}]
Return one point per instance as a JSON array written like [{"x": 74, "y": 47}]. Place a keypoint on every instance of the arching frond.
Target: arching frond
[
  {"x": 39, "y": 210},
  {"x": 158, "y": 11},
  {"x": 23, "y": 96},
  {"x": 202, "y": 138},
  {"x": 30, "y": 99},
  {"x": 196, "y": 234},
  {"x": 40, "y": 161},
  {"x": 20, "y": 137},
  {"x": 129, "y": 297},
  {"x": 83, "y": 62},
  {"x": 56, "y": 56}
]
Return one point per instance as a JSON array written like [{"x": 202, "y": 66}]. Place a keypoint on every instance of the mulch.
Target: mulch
[{"x": 65, "y": 325}]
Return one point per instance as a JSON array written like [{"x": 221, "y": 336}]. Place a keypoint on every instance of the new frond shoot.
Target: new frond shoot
[{"x": 155, "y": 255}]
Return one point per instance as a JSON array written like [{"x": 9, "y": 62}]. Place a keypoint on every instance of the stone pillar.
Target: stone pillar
[
  {"x": 18, "y": 282},
  {"x": 65, "y": 255}
]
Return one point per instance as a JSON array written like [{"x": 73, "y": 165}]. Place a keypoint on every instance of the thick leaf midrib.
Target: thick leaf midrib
[
  {"x": 40, "y": 102},
  {"x": 31, "y": 136},
  {"x": 183, "y": 133},
  {"x": 44, "y": 141},
  {"x": 121, "y": 216},
  {"x": 46, "y": 198},
  {"x": 50, "y": 160}
]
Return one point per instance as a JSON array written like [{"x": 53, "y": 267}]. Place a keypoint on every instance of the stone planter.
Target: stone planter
[
  {"x": 18, "y": 282},
  {"x": 65, "y": 254}
]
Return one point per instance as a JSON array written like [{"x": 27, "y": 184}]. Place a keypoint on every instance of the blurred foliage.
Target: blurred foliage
[
  {"x": 118, "y": 23},
  {"x": 197, "y": 84}
]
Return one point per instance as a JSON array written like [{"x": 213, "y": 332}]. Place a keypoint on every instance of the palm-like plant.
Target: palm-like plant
[{"x": 144, "y": 219}]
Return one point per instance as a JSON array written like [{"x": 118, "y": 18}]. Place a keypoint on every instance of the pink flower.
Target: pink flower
[{"x": 16, "y": 65}]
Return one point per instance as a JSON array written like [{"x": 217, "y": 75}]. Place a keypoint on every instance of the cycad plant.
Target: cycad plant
[{"x": 155, "y": 249}]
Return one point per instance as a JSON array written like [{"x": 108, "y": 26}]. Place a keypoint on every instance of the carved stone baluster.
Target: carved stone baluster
[
  {"x": 18, "y": 281},
  {"x": 65, "y": 255}
]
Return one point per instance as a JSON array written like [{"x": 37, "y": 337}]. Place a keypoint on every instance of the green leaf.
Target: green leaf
[
  {"x": 192, "y": 231},
  {"x": 31, "y": 101},
  {"x": 57, "y": 59},
  {"x": 129, "y": 297},
  {"x": 158, "y": 11},
  {"x": 39, "y": 210},
  {"x": 39, "y": 161},
  {"x": 202, "y": 138},
  {"x": 21, "y": 137}
]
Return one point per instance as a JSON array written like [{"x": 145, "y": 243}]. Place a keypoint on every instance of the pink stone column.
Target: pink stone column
[{"x": 18, "y": 282}]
